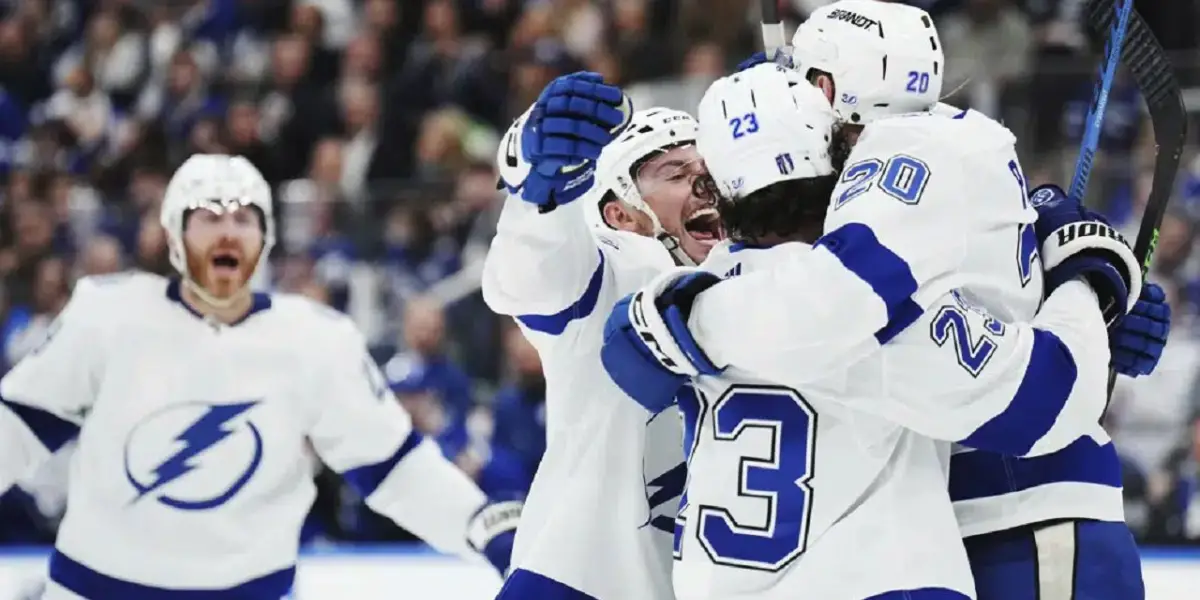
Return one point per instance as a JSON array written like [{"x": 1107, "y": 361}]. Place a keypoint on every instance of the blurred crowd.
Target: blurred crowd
[{"x": 377, "y": 123}]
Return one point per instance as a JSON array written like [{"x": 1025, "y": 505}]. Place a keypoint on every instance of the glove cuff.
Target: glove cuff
[
  {"x": 491, "y": 520},
  {"x": 510, "y": 160},
  {"x": 1091, "y": 237},
  {"x": 653, "y": 328}
]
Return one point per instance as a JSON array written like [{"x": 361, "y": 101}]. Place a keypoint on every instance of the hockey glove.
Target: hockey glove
[
  {"x": 648, "y": 350},
  {"x": 1137, "y": 342},
  {"x": 492, "y": 529},
  {"x": 1078, "y": 243},
  {"x": 548, "y": 156}
]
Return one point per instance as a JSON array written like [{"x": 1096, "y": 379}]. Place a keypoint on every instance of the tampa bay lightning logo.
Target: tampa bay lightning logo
[
  {"x": 1042, "y": 197},
  {"x": 663, "y": 469},
  {"x": 193, "y": 456}
]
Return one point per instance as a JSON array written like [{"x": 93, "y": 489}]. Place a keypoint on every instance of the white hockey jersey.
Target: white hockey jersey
[
  {"x": 815, "y": 445},
  {"x": 191, "y": 472},
  {"x": 600, "y": 514}
]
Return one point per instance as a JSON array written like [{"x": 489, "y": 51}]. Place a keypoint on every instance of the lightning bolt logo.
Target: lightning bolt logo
[
  {"x": 205, "y": 433},
  {"x": 663, "y": 489}
]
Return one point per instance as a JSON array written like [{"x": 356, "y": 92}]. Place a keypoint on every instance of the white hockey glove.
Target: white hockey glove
[{"x": 491, "y": 531}]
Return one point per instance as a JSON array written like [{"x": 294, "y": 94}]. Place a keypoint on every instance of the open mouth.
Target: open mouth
[
  {"x": 226, "y": 262},
  {"x": 704, "y": 225}
]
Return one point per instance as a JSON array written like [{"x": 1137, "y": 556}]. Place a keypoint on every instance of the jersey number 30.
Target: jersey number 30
[{"x": 772, "y": 482}]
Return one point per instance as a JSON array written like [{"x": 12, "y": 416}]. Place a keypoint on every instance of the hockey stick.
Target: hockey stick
[
  {"x": 1155, "y": 79},
  {"x": 772, "y": 28},
  {"x": 1094, "y": 124}
]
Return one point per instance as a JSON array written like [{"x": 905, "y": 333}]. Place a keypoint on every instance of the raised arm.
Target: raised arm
[
  {"x": 540, "y": 263},
  {"x": 544, "y": 262}
]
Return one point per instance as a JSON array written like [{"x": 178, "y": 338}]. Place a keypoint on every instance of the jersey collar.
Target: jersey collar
[{"x": 258, "y": 303}]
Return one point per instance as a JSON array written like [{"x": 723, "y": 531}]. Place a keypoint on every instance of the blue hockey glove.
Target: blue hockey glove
[
  {"x": 758, "y": 58},
  {"x": 648, "y": 350},
  {"x": 548, "y": 156},
  {"x": 1076, "y": 242},
  {"x": 492, "y": 529},
  {"x": 1137, "y": 342}
]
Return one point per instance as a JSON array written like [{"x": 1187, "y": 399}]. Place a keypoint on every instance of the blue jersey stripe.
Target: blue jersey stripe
[
  {"x": 366, "y": 479},
  {"x": 1044, "y": 390},
  {"x": 557, "y": 323},
  {"x": 856, "y": 246},
  {"x": 984, "y": 474},
  {"x": 87, "y": 583},
  {"x": 52, "y": 430}
]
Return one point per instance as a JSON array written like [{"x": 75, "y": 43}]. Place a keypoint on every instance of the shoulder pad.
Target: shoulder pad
[
  {"x": 310, "y": 316},
  {"x": 937, "y": 131}
]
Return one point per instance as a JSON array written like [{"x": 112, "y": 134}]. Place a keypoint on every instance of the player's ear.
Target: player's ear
[
  {"x": 616, "y": 216},
  {"x": 825, "y": 82}
]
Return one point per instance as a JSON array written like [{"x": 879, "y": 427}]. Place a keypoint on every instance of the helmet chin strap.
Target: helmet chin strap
[
  {"x": 670, "y": 242},
  {"x": 213, "y": 301}
]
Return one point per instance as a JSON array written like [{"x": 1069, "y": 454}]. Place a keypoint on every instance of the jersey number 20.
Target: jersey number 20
[{"x": 777, "y": 475}]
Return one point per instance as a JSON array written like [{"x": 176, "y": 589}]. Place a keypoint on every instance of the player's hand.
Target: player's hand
[
  {"x": 492, "y": 529},
  {"x": 1137, "y": 342},
  {"x": 648, "y": 350},
  {"x": 548, "y": 156},
  {"x": 1078, "y": 243},
  {"x": 758, "y": 58}
]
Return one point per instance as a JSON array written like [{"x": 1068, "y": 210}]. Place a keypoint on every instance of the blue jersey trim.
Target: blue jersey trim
[
  {"x": 258, "y": 302},
  {"x": 557, "y": 323},
  {"x": 1044, "y": 390},
  {"x": 921, "y": 594},
  {"x": 366, "y": 479},
  {"x": 51, "y": 430},
  {"x": 976, "y": 475},
  {"x": 856, "y": 246},
  {"x": 526, "y": 585},
  {"x": 89, "y": 583}
]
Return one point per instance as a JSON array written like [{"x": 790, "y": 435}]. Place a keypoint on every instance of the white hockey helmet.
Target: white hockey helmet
[
  {"x": 764, "y": 125},
  {"x": 649, "y": 132},
  {"x": 885, "y": 58},
  {"x": 216, "y": 182}
]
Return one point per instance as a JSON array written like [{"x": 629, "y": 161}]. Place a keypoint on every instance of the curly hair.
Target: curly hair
[{"x": 786, "y": 209}]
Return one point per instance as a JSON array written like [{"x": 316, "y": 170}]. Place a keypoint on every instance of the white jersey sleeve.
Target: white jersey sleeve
[
  {"x": 44, "y": 398},
  {"x": 899, "y": 225},
  {"x": 543, "y": 269},
  {"x": 362, "y": 432},
  {"x": 963, "y": 375}
]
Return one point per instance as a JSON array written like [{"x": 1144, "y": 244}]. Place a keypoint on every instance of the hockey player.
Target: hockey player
[
  {"x": 1045, "y": 527},
  {"x": 952, "y": 372},
  {"x": 832, "y": 39},
  {"x": 570, "y": 242},
  {"x": 193, "y": 400}
]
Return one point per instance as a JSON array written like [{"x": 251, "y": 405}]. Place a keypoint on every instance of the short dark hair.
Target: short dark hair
[{"x": 782, "y": 209}]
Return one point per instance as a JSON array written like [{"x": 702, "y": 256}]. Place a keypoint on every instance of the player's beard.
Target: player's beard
[{"x": 223, "y": 282}]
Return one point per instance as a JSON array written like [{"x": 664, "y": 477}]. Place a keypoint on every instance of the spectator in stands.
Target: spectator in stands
[
  {"x": 1175, "y": 516},
  {"x": 28, "y": 325},
  {"x": 465, "y": 440},
  {"x": 425, "y": 359}
]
